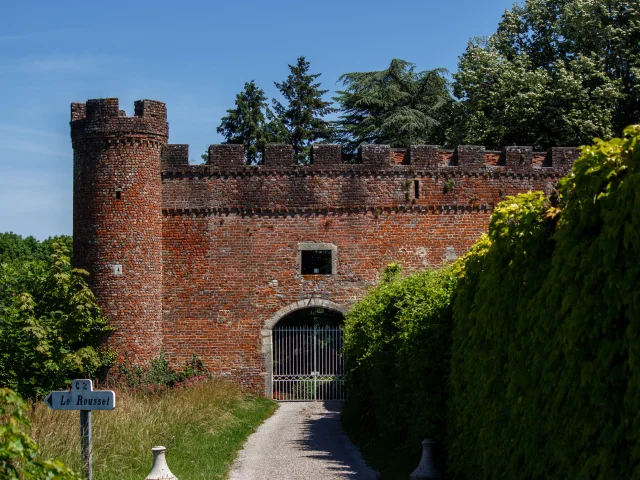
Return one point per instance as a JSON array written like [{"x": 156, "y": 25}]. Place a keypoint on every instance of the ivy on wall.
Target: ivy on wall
[{"x": 544, "y": 374}]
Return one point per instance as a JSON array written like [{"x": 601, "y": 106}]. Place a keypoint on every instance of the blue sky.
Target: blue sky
[{"x": 195, "y": 56}]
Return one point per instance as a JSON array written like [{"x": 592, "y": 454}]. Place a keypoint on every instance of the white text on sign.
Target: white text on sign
[{"x": 81, "y": 397}]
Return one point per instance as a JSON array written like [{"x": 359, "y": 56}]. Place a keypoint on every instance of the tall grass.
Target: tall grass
[{"x": 203, "y": 426}]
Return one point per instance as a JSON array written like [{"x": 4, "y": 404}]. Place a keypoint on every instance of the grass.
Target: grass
[{"x": 203, "y": 427}]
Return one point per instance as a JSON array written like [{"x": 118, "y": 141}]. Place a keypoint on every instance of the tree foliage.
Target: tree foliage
[
  {"x": 15, "y": 248},
  {"x": 300, "y": 122},
  {"x": 247, "y": 124},
  {"x": 556, "y": 72},
  {"x": 18, "y": 451},
  {"x": 398, "y": 106},
  {"x": 397, "y": 342},
  {"x": 50, "y": 324},
  {"x": 545, "y": 357}
]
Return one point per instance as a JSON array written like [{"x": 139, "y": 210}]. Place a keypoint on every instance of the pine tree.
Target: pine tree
[
  {"x": 398, "y": 106},
  {"x": 301, "y": 122},
  {"x": 246, "y": 124}
]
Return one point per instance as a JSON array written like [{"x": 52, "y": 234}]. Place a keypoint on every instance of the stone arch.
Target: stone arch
[{"x": 272, "y": 321}]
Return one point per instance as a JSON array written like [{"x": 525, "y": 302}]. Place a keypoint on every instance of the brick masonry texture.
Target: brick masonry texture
[{"x": 209, "y": 253}]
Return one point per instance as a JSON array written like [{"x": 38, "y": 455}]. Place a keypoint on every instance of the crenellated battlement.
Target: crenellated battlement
[
  {"x": 103, "y": 117},
  {"x": 466, "y": 179},
  {"x": 229, "y": 157}
]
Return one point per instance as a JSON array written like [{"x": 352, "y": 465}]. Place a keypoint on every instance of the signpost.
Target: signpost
[{"x": 83, "y": 397}]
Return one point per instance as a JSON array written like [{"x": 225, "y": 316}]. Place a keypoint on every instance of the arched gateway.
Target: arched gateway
[
  {"x": 191, "y": 259},
  {"x": 303, "y": 358}
]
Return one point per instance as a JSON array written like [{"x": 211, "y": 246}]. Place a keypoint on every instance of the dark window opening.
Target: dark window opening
[
  {"x": 416, "y": 189},
  {"x": 316, "y": 262},
  {"x": 118, "y": 195}
]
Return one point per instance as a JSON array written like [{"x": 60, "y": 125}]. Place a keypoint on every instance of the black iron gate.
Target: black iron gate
[{"x": 308, "y": 364}]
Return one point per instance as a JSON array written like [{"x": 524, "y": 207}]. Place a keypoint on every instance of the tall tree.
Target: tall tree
[
  {"x": 51, "y": 326},
  {"x": 300, "y": 122},
  {"x": 14, "y": 248},
  {"x": 247, "y": 123},
  {"x": 398, "y": 106},
  {"x": 556, "y": 72}
]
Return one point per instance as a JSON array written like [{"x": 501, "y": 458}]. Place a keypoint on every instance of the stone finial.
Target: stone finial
[
  {"x": 160, "y": 469},
  {"x": 425, "y": 469}
]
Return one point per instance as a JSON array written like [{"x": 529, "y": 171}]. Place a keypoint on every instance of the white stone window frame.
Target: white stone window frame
[{"x": 306, "y": 246}]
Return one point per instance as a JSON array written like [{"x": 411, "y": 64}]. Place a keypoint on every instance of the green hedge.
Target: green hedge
[
  {"x": 545, "y": 378},
  {"x": 397, "y": 342}
]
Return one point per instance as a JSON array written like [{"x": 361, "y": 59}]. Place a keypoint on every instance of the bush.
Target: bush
[
  {"x": 18, "y": 451},
  {"x": 50, "y": 325},
  {"x": 397, "y": 342},
  {"x": 544, "y": 370},
  {"x": 159, "y": 377}
]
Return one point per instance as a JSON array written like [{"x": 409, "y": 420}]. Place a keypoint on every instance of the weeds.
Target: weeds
[{"x": 202, "y": 421}]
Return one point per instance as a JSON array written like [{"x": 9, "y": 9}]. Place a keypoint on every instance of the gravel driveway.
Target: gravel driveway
[{"x": 302, "y": 440}]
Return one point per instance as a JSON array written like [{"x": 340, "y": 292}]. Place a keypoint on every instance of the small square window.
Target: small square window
[
  {"x": 317, "y": 258},
  {"x": 316, "y": 262}
]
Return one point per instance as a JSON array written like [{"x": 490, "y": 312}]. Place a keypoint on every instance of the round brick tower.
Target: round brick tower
[{"x": 117, "y": 218}]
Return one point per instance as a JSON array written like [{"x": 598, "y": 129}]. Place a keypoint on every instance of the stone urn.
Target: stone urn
[
  {"x": 425, "y": 469},
  {"x": 160, "y": 469}
]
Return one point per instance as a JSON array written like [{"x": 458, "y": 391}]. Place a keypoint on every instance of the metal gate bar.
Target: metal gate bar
[{"x": 308, "y": 364}]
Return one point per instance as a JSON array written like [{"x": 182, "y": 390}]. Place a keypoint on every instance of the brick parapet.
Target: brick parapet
[
  {"x": 349, "y": 186},
  {"x": 102, "y": 118},
  {"x": 175, "y": 156}
]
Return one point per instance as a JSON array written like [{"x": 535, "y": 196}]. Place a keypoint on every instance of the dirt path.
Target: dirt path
[{"x": 302, "y": 440}]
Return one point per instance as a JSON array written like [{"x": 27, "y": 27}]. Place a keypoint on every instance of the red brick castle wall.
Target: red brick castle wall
[{"x": 210, "y": 254}]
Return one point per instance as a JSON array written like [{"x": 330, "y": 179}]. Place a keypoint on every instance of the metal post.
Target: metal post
[
  {"x": 85, "y": 443},
  {"x": 315, "y": 366}
]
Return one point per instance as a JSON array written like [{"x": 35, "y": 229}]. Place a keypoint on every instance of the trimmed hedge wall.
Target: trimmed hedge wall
[
  {"x": 397, "y": 343},
  {"x": 537, "y": 363},
  {"x": 545, "y": 370}
]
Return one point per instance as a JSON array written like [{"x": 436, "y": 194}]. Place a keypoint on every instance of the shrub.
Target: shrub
[
  {"x": 397, "y": 342},
  {"x": 18, "y": 451},
  {"x": 159, "y": 377},
  {"x": 50, "y": 325},
  {"x": 544, "y": 373}
]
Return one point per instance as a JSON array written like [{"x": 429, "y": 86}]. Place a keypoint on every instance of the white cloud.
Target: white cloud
[
  {"x": 24, "y": 139},
  {"x": 66, "y": 65},
  {"x": 17, "y": 129},
  {"x": 30, "y": 147},
  {"x": 25, "y": 35},
  {"x": 4, "y": 38}
]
